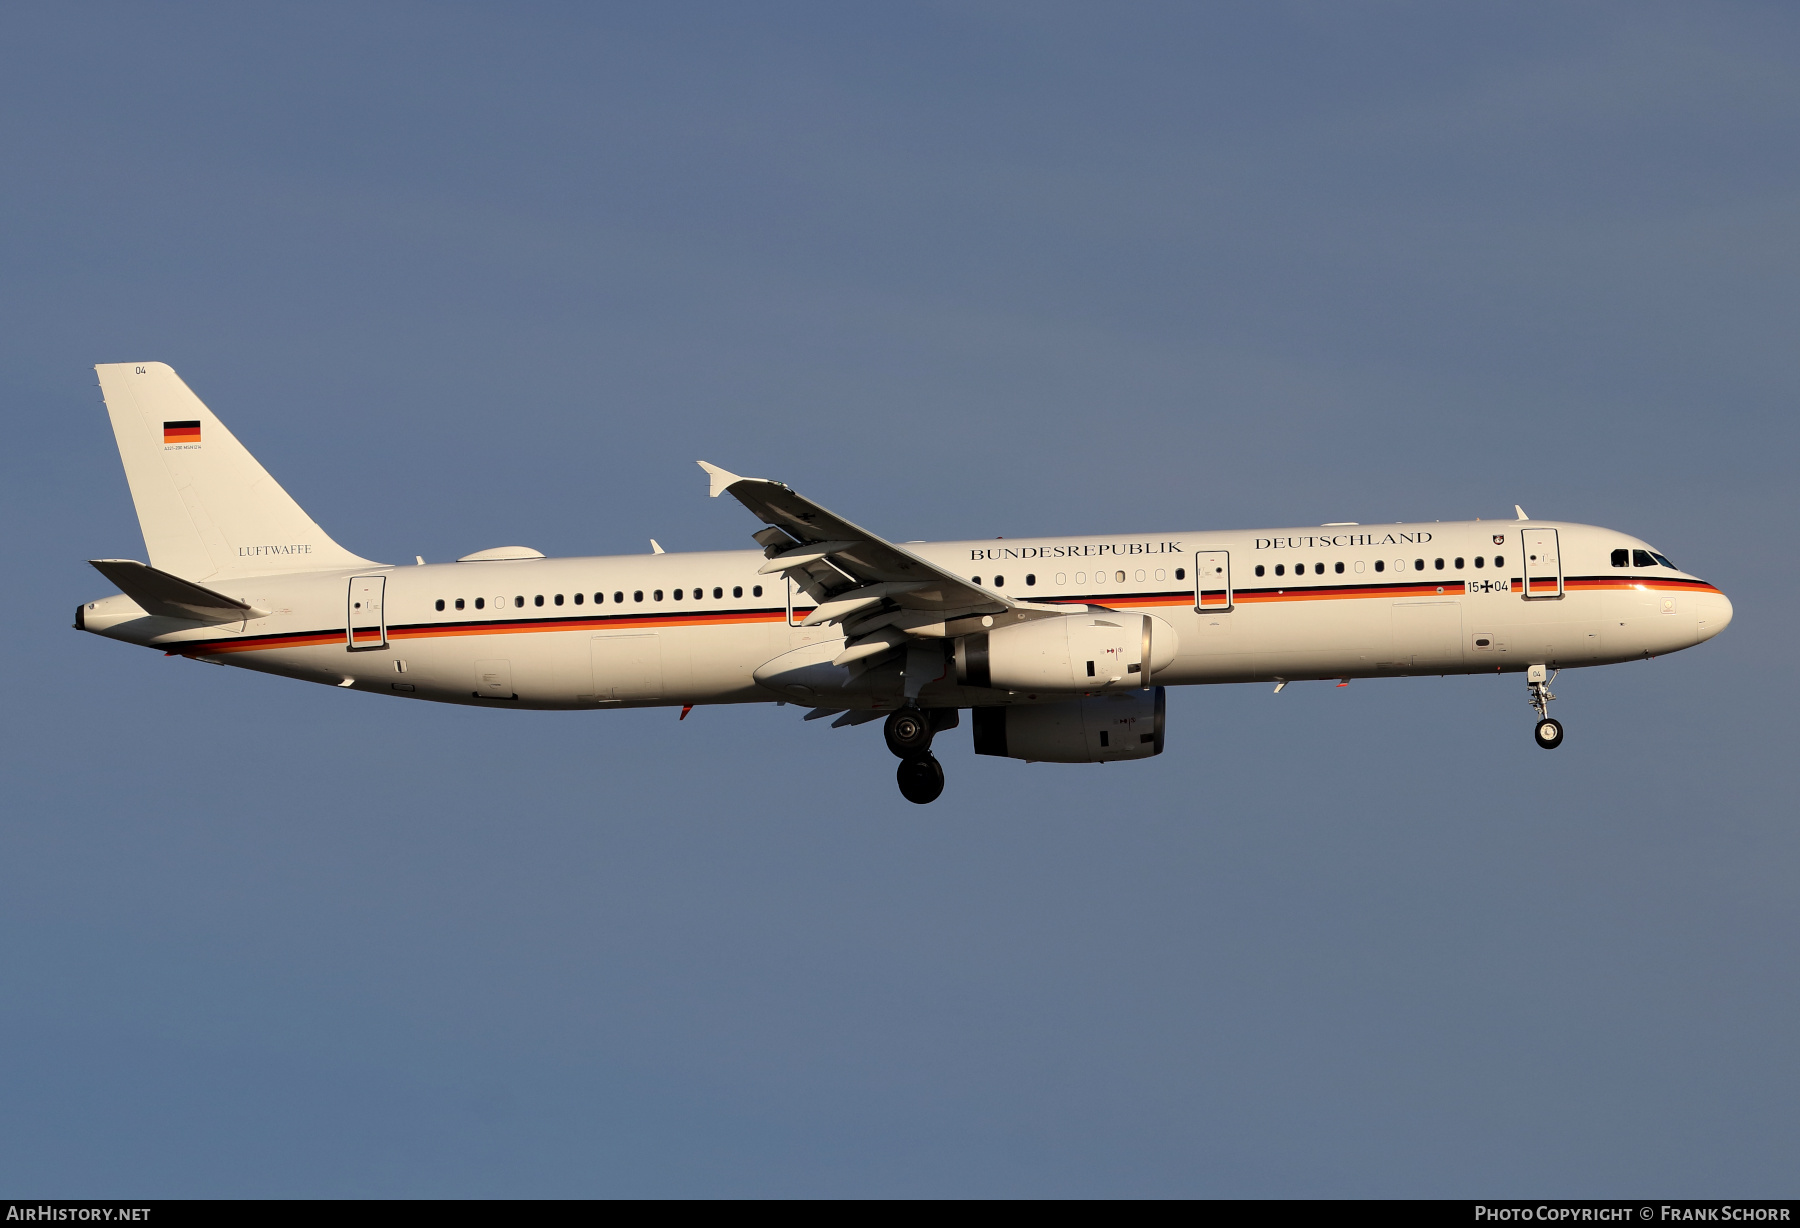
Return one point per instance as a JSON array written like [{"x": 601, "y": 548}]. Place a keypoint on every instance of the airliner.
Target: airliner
[{"x": 1060, "y": 648}]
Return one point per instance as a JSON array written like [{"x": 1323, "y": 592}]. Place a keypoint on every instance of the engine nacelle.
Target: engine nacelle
[
  {"x": 1095, "y": 651},
  {"x": 1092, "y": 729}
]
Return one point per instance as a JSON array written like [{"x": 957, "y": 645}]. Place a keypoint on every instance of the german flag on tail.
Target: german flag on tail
[{"x": 181, "y": 432}]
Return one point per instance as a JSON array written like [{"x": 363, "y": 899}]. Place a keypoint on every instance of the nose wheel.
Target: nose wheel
[
  {"x": 921, "y": 779},
  {"x": 1549, "y": 730}
]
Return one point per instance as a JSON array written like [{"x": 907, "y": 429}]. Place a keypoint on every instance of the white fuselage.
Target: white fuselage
[{"x": 679, "y": 629}]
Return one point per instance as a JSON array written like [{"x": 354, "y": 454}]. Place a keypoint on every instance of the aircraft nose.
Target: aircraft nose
[{"x": 1715, "y": 616}]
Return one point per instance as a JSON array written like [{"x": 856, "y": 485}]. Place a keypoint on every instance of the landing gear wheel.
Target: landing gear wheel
[
  {"x": 908, "y": 734},
  {"x": 1548, "y": 733},
  {"x": 921, "y": 779}
]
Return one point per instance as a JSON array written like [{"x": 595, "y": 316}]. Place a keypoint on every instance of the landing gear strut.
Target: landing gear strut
[{"x": 1549, "y": 730}]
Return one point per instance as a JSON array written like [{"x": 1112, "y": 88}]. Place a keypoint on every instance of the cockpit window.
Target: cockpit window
[
  {"x": 1664, "y": 560},
  {"x": 1642, "y": 558},
  {"x": 1621, "y": 558}
]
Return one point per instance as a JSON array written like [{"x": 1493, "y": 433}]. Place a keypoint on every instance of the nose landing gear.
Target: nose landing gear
[
  {"x": 1549, "y": 730},
  {"x": 920, "y": 776}
]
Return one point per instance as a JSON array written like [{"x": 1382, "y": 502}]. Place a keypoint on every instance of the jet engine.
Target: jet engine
[
  {"x": 1094, "y": 651},
  {"x": 1092, "y": 729}
]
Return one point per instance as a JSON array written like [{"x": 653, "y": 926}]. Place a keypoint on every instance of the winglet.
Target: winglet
[
  {"x": 722, "y": 479},
  {"x": 1521, "y": 511}
]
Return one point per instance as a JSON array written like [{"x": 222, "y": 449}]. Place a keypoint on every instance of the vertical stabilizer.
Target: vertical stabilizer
[{"x": 206, "y": 507}]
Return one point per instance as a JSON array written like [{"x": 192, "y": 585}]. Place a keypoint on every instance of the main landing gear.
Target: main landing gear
[
  {"x": 1549, "y": 731},
  {"x": 920, "y": 776}
]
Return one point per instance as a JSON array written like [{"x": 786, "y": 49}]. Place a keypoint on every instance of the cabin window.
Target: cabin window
[
  {"x": 519, "y": 602},
  {"x": 459, "y": 603},
  {"x": 1418, "y": 564},
  {"x": 538, "y": 600},
  {"x": 480, "y": 602},
  {"x": 619, "y": 598},
  {"x": 757, "y": 591},
  {"x": 1318, "y": 569},
  {"x": 1339, "y": 568},
  {"x": 1259, "y": 569},
  {"x": 1281, "y": 569},
  {"x": 1499, "y": 560},
  {"x": 1480, "y": 562},
  {"x": 678, "y": 594},
  {"x": 579, "y": 598},
  {"x": 657, "y": 594},
  {"x": 737, "y": 590},
  {"x": 1181, "y": 573},
  {"x": 976, "y": 579},
  {"x": 559, "y": 599},
  {"x": 1380, "y": 564},
  {"x": 1621, "y": 558},
  {"x": 717, "y": 592},
  {"x": 1438, "y": 563},
  {"x": 440, "y": 604},
  {"x": 1459, "y": 564},
  {"x": 637, "y": 594},
  {"x": 999, "y": 580},
  {"x": 1030, "y": 580}
]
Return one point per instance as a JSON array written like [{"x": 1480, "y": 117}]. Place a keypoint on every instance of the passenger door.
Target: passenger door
[
  {"x": 364, "y": 619},
  {"x": 1212, "y": 581},
  {"x": 1543, "y": 564}
]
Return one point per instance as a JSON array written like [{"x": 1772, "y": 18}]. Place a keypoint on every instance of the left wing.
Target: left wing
[{"x": 882, "y": 594}]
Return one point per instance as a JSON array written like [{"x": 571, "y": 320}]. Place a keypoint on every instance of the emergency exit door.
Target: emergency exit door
[
  {"x": 1543, "y": 564},
  {"x": 365, "y": 619},
  {"x": 1212, "y": 581}
]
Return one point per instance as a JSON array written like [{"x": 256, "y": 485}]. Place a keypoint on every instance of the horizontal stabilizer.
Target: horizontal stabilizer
[{"x": 167, "y": 596}]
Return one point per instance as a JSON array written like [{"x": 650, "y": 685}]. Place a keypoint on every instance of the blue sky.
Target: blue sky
[{"x": 467, "y": 276}]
